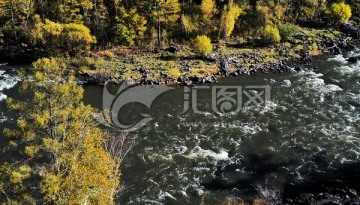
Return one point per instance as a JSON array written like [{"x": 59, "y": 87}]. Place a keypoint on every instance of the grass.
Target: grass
[{"x": 125, "y": 63}]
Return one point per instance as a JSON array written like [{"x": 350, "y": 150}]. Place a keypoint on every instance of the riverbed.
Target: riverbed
[{"x": 308, "y": 129}]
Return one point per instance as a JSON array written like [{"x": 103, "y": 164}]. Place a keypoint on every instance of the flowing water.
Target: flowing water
[{"x": 310, "y": 125}]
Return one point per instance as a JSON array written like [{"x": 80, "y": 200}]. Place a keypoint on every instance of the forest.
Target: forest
[
  {"x": 43, "y": 28},
  {"x": 63, "y": 157}
]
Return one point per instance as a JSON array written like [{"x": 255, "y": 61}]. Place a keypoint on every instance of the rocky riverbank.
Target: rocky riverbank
[{"x": 178, "y": 65}]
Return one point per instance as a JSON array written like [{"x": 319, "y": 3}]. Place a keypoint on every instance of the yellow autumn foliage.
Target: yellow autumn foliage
[
  {"x": 340, "y": 11},
  {"x": 229, "y": 17},
  {"x": 63, "y": 149},
  {"x": 202, "y": 45},
  {"x": 271, "y": 34}
]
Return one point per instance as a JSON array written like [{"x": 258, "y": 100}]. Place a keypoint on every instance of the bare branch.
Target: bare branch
[{"x": 119, "y": 145}]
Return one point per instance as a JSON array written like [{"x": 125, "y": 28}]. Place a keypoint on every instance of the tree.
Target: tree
[
  {"x": 166, "y": 12},
  {"x": 208, "y": 8},
  {"x": 340, "y": 11},
  {"x": 202, "y": 45},
  {"x": 307, "y": 9},
  {"x": 100, "y": 21},
  {"x": 73, "y": 11},
  {"x": 129, "y": 26},
  {"x": 62, "y": 153},
  {"x": 228, "y": 19},
  {"x": 59, "y": 39},
  {"x": 187, "y": 24},
  {"x": 271, "y": 34}
]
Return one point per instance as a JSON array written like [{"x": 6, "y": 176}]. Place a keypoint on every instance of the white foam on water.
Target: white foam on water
[
  {"x": 6, "y": 82},
  {"x": 2, "y": 97},
  {"x": 287, "y": 83},
  {"x": 338, "y": 58},
  {"x": 162, "y": 195},
  {"x": 198, "y": 152},
  {"x": 250, "y": 129},
  {"x": 314, "y": 82},
  {"x": 353, "y": 69},
  {"x": 147, "y": 201},
  {"x": 333, "y": 87},
  {"x": 354, "y": 52},
  {"x": 158, "y": 157},
  {"x": 3, "y": 118}
]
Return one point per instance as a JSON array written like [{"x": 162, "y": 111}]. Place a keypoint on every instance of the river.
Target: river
[{"x": 309, "y": 127}]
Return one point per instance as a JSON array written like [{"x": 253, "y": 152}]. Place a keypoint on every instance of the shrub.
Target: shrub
[
  {"x": 314, "y": 47},
  {"x": 340, "y": 11},
  {"x": 61, "y": 39},
  {"x": 106, "y": 54},
  {"x": 174, "y": 73},
  {"x": 286, "y": 30},
  {"x": 202, "y": 45},
  {"x": 271, "y": 34}
]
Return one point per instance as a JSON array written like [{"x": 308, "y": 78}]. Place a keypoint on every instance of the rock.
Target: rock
[
  {"x": 224, "y": 67},
  {"x": 194, "y": 79},
  {"x": 211, "y": 79},
  {"x": 335, "y": 50},
  {"x": 352, "y": 60},
  {"x": 144, "y": 71},
  {"x": 353, "y": 192},
  {"x": 185, "y": 81},
  {"x": 351, "y": 30},
  {"x": 172, "y": 49},
  {"x": 10, "y": 70},
  {"x": 211, "y": 58}
]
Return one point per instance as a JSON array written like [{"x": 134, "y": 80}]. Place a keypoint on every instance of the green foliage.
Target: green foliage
[
  {"x": 56, "y": 38},
  {"x": 271, "y": 34},
  {"x": 30, "y": 28},
  {"x": 287, "y": 30},
  {"x": 202, "y": 45},
  {"x": 69, "y": 11},
  {"x": 314, "y": 47},
  {"x": 310, "y": 9},
  {"x": 340, "y": 11},
  {"x": 130, "y": 27}
]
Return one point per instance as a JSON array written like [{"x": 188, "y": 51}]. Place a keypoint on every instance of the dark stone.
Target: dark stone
[
  {"x": 194, "y": 79},
  {"x": 351, "y": 30},
  {"x": 336, "y": 50},
  {"x": 172, "y": 49},
  {"x": 10, "y": 70},
  {"x": 352, "y": 60}
]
